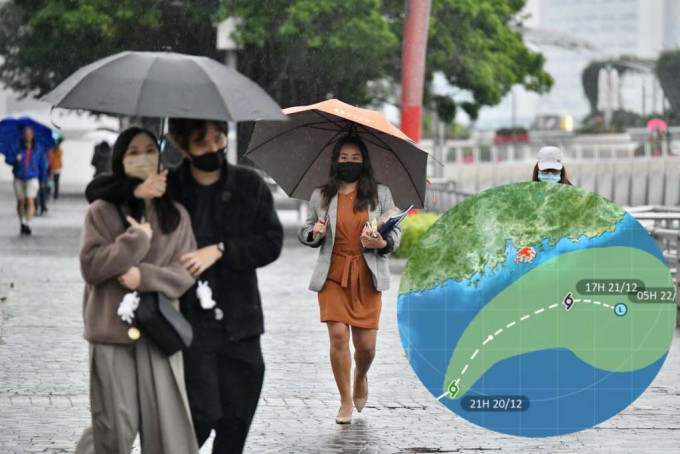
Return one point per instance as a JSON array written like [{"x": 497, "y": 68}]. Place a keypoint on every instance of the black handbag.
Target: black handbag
[
  {"x": 158, "y": 319},
  {"x": 164, "y": 325}
]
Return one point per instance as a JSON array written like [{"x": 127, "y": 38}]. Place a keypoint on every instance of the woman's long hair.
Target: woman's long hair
[
  {"x": 367, "y": 193},
  {"x": 563, "y": 175},
  {"x": 168, "y": 214}
]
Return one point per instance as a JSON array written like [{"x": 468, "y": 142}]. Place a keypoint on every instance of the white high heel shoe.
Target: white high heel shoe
[
  {"x": 360, "y": 402},
  {"x": 343, "y": 419}
]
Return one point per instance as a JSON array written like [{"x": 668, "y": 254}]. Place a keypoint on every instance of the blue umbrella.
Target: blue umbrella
[{"x": 11, "y": 134}]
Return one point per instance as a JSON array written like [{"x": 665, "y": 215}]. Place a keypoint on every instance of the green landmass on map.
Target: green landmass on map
[
  {"x": 475, "y": 232},
  {"x": 529, "y": 316}
]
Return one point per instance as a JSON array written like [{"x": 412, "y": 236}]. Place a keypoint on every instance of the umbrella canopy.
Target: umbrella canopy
[
  {"x": 297, "y": 153},
  {"x": 657, "y": 124},
  {"x": 164, "y": 84},
  {"x": 11, "y": 134}
]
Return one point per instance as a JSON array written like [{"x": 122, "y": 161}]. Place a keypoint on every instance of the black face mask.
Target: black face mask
[
  {"x": 349, "y": 172},
  {"x": 209, "y": 162}
]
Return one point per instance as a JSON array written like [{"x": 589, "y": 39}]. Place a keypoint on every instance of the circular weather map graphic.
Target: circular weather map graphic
[{"x": 536, "y": 309}]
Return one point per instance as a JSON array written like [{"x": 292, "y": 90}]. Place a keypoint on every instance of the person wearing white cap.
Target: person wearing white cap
[{"x": 549, "y": 167}]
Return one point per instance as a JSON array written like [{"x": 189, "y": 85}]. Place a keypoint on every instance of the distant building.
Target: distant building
[{"x": 640, "y": 28}]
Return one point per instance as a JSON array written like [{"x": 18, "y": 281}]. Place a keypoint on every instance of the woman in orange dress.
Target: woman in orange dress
[{"x": 350, "y": 281}]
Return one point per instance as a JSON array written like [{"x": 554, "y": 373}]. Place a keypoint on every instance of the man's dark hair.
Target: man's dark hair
[{"x": 181, "y": 129}]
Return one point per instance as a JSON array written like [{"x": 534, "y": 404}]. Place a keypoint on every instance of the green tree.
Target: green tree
[
  {"x": 477, "y": 45},
  {"x": 300, "y": 51},
  {"x": 303, "y": 51},
  {"x": 43, "y": 41}
]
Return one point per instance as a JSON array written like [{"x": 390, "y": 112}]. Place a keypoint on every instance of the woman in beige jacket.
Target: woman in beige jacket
[{"x": 134, "y": 386}]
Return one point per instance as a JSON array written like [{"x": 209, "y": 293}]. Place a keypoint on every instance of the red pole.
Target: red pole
[{"x": 413, "y": 65}]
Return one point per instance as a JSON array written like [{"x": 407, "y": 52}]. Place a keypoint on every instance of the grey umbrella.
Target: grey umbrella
[
  {"x": 164, "y": 84},
  {"x": 297, "y": 153}
]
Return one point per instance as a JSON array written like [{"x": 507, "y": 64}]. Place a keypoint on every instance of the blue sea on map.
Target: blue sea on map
[{"x": 561, "y": 387}]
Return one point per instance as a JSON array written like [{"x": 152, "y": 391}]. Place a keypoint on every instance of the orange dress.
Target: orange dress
[{"x": 349, "y": 295}]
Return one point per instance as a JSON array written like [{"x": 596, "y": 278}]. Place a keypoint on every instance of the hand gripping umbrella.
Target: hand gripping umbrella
[{"x": 297, "y": 153}]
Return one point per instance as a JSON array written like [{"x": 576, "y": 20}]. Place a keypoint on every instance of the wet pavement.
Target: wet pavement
[{"x": 44, "y": 401}]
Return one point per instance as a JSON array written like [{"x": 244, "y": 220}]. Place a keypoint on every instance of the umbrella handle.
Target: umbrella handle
[{"x": 317, "y": 236}]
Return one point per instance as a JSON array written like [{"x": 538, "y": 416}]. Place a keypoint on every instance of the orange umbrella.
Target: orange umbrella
[{"x": 297, "y": 153}]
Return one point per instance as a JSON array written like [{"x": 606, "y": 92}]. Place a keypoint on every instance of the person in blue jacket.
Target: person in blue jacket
[{"x": 29, "y": 165}]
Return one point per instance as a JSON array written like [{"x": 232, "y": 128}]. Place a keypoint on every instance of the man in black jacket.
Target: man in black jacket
[{"x": 237, "y": 231}]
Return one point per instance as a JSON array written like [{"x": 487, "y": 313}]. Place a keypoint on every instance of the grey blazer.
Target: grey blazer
[{"x": 377, "y": 262}]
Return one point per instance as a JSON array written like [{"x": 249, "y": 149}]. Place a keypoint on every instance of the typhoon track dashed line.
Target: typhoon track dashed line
[{"x": 491, "y": 337}]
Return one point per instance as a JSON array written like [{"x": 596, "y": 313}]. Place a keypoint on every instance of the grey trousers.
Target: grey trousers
[{"x": 137, "y": 389}]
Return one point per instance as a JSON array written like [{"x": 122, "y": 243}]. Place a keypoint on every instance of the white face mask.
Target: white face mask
[
  {"x": 549, "y": 177},
  {"x": 141, "y": 166}
]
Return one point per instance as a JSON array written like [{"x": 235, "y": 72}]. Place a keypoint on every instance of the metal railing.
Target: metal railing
[
  {"x": 627, "y": 171},
  {"x": 442, "y": 194},
  {"x": 663, "y": 224}
]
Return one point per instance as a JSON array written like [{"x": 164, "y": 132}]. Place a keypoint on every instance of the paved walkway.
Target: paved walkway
[{"x": 44, "y": 386}]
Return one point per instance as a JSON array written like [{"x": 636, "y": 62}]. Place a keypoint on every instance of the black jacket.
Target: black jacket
[{"x": 247, "y": 223}]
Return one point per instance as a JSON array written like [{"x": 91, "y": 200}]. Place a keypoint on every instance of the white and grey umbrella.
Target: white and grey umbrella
[{"x": 165, "y": 84}]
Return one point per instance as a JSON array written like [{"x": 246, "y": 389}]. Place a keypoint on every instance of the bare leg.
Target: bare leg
[
  {"x": 21, "y": 209},
  {"x": 31, "y": 209},
  {"x": 341, "y": 362},
  {"x": 56, "y": 186},
  {"x": 364, "y": 340}
]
